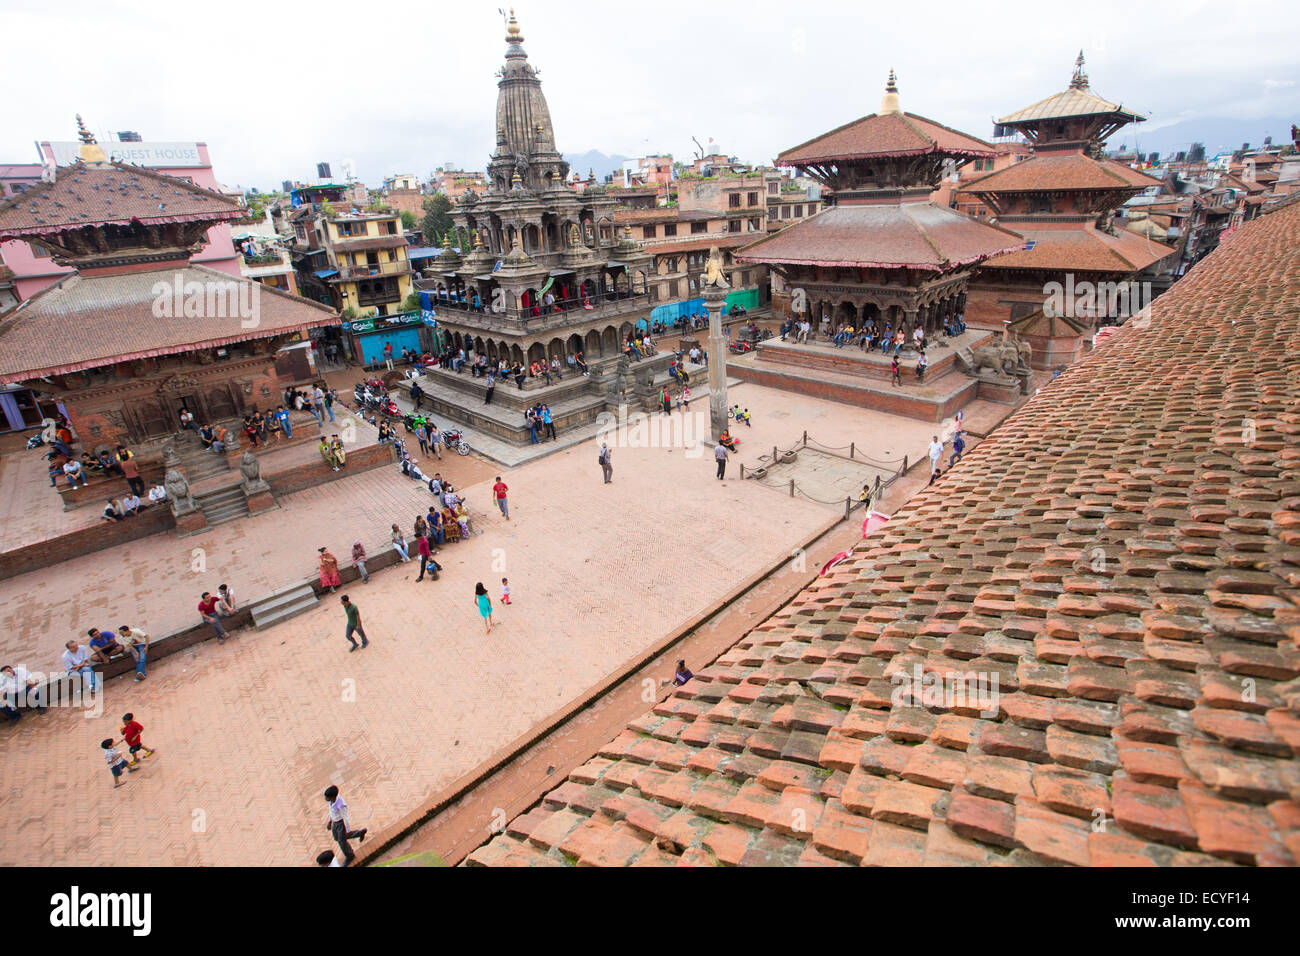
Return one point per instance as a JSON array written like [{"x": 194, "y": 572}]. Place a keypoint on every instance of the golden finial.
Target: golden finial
[
  {"x": 512, "y": 28},
  {"x": 90, "y": 151},
  {"x": 889, "y": 102}
]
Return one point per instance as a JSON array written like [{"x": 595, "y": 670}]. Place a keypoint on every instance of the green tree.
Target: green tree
[
  {"x": 408, "y": 219},
  {"x": 411, "y": 303},
  {"x": 437, "y": 218}
]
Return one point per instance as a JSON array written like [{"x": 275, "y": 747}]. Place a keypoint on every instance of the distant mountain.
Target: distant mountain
[
  {"x": 1216, "y": 132},
  {"x": 596, "y": 161}
]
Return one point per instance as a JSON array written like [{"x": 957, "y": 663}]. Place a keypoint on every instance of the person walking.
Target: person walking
[
  {"x": 958, "y": 446},
  {"x": 130, "y": 470},
  {"x": 720, "y": 454},
  {"x": 895, "y": 372},
  {"x": 606, "y": 462},
  {"x": 337, "y": 824},
  {"x": 354, "y": 625},
  {"x": 548, "y": 422},
  {"x": 425, "y": 550},
  {"x": 936, "y": 452},
  {"x": 491, "y": 387},
  {"x": 484, "y": 605},
  {"x": 435, "y": 439},
  {"x": 505, "y": 590},
  {"x": 359, "y": 559},
  {"x": 665, "y": 401},
  {"x": 329, "y": 570},
  {"x": 131, "y": 731},
  {"x": 499, "y": 492}
]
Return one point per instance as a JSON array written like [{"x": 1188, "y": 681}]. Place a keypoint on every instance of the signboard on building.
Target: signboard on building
[
  {"x": 152, "y": 155},
  {"x": 381, "y": 322}
]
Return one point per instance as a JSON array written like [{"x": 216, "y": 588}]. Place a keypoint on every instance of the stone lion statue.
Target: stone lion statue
[
  {"x": 713, "y": 275},
  {"x": 178, "y": 489},
  {"x": 250, "y": 467}
]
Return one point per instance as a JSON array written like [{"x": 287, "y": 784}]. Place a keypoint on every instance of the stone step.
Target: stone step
[{"x": 283, "y": 605}]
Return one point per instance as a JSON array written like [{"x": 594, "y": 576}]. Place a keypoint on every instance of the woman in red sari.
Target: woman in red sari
[{"x": 329, "y": 570}]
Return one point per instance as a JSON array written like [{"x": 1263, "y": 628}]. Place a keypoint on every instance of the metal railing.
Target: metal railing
[
  {"x": 850, "y": 504},
  {"x": 370, "y": 271}
]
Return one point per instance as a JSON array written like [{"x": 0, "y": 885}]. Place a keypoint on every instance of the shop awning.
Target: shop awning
[{"x": 325, "y": 273}]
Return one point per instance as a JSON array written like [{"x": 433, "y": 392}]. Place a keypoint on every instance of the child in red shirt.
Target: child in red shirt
[{"x": 131, "y": 731}]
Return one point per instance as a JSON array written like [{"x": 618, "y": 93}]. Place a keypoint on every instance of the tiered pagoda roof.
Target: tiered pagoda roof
[
  {"x": 881, "y": 170},
  {"x": 914, "y": 235},
  {"x": 110, "y": 194},
  {"x": 86, "y": 322},
  {"x": 129, "y": 233}
]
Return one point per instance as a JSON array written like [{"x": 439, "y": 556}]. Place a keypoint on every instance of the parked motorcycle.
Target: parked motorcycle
[
  {"x": 454, "y": 439},
  {"x": 739, "y": 348}
]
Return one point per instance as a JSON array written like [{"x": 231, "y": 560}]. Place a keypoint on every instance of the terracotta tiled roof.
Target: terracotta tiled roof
[
  {"x": 1087, "y": 249},
  {"x": 1040, "y": 322},
  {"x": 696, "y": 243},
  {"x": 1071, "y": 102},
  {"x": 87, "y": 322},
  {"x": 1051, "y": 171},
  {"x": 1123, "y": 553},
  {"x": 917, "y": 234},
  {"x": 886, "y": 134},
  {"x": 100, "y": 193}
]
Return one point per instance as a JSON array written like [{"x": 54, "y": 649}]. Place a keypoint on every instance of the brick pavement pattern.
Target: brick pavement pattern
[
  {"x": 250, "y": 733},
  {"x": 1123, "y": 554}
]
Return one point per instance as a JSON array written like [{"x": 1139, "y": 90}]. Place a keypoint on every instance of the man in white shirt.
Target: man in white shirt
[
  {"x": 76, "y": 659},
  {"x": 131, "y": 504},
  {"x": 157, "y": 495},
  {"x": 720, "y": 453},
  {"x": 936, "y": 452},
  {"x": 18, "y": 689},
  {"x": 225, "y": 600},
  {"x": 338, "y": 824},
  {"x": 72, "y": 469},
  {"x": 137, "y": 642}
]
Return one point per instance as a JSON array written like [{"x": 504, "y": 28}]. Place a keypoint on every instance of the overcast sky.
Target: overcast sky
[{"x": 273, "y": 86}]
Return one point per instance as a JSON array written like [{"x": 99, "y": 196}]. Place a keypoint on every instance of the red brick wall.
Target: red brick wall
[
  {"x": 895, "y": 404},
  {"x": 106, "y": 534},
  {"x": 312, "y": 473}
]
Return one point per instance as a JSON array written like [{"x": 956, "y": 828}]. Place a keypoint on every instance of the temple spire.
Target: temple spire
[
  {"x": 889, "y": 102},
  {"x": 1080, "y": 79},
  {"x": 90, "y": 151}
]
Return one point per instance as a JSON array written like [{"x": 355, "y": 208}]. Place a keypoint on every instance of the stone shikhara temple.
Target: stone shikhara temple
[
  {"x": 881, "y": 250},
  {"x": 139, "y": 332},
  {"x": 532, "y": 238},
  {"x": 541, "y": 274}
]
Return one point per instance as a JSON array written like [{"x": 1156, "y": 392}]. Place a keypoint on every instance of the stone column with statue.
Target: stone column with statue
[{"x": 714, "y": 290}]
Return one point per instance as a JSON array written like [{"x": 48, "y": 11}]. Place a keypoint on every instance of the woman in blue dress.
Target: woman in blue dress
[{"x": 484, "y": 605}]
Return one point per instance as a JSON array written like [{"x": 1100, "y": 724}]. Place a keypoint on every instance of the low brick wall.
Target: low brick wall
[
  {"x": 900, "y": 403},
  {"x": 155, "y": 519},
  {"x": 381, "y": 557},
  {"x": 98, "y": 490},
  {"x": 312, "y": 473},
  {"x": 106, "y": 534}
]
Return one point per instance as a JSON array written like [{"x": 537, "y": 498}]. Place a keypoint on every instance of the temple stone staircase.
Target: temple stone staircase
[
  {"x": 223, "y": 504},
  {"x": 283, "y": 605},
  {"x": 198, "y": 462}
]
